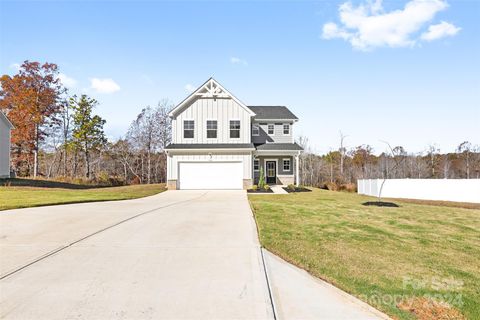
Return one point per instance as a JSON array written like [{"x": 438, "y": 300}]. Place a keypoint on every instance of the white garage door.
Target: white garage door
[{"x": 211, "y": 175}]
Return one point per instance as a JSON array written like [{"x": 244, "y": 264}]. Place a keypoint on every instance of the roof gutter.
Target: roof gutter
[{"x": 211, "y": 149}]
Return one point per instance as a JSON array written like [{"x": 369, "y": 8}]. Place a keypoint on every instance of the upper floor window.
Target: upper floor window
[
  {"x": 234, "y": 128},
  {"x": 256, "y": 165},
  {"x": 188, "y": 128},
  {"x": 255, "y": 130},
  {"x": 286, "y": 129},
  {"x": 212, "y": 129},
  {"x": 271, "y": 128},
  {"x": 286, "y": 164}
]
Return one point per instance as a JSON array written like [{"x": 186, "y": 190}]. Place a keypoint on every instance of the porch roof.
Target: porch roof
[{"x": 278, "y": 147}]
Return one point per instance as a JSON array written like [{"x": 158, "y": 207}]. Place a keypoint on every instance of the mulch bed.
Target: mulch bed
[
  {"x": 260, "y": 191},
  {"x": 381, "y": 204},
  {"x": 297, "y": 189}
]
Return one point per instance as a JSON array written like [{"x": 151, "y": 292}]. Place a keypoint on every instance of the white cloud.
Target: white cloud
[
  {"x": 235, "y": 60},
  {"x": 104, "y": 85},
  {"x": 189, "y": 88},
  {"x": 67, "y": 81},
  {"x": 441, "y": 30},
  {"x": 15, "y": 66},
  {"x": 368, "y": 26}
]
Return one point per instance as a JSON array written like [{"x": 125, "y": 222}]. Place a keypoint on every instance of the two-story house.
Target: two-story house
[{"x": 218, "y": 142}]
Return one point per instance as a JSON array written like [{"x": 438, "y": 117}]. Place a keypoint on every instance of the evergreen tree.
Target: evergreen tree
[{"x": 87, "y": 133}]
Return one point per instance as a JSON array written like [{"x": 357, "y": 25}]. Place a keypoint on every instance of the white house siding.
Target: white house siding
[
  {"x": 222, "y": 110},
  {"x": 174, "y": 159},
  {"x": 277, "y": 137},
  {"x": 4, "y": 149},
  {"x": 460, "y": 190}
]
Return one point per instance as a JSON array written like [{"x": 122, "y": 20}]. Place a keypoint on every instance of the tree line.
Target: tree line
[
  {"x": 59, "y": 136},
  {"x": 342, "y": 167}
]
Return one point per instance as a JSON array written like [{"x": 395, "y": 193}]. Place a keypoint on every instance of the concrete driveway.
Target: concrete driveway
[
  {"x": 176, "y": 255},
  {"x": 182, "y": 255}
]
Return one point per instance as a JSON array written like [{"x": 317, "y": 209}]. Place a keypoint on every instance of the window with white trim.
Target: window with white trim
[
  {"x": 188, "y": 129},
  {"x": 211, "y": 129},
  {"x": 286, "y": 129},
  {"x": 256, "y": 165},
  {"x": 234, "y": 128},
  {"x": 271, "y": 128},
  {"x": 286, "y": 164},
  {"x": 255, "y": 130}
]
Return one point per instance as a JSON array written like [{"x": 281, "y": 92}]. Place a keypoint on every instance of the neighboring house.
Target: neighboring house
[
  {"x": 5, "y": 127},
  {"x": 220, "y": 143}
]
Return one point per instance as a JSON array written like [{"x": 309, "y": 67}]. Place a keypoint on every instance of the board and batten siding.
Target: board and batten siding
[
  {"x": 277, "y": 137},
  {"x": 222, "y": 110},
  {"x": 245, "y": 158},
  {"x": 4, "y": 149}
]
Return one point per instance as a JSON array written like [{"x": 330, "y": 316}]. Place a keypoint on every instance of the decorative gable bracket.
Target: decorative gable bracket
[{"x": 211, "y": 89}]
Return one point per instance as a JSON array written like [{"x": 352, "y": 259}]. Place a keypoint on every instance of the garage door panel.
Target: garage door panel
[{"x": 211, "y": 175}]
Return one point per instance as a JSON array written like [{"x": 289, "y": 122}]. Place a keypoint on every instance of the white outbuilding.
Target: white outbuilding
[{"x": 5, "y": 127}]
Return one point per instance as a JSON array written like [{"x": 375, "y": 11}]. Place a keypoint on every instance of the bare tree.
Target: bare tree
[
  {"x": 465, "y": 150},
  {"x": 342, "y": 151},
  {"x": 433, "y": 152},
  {"x": 398, "y": 161}
]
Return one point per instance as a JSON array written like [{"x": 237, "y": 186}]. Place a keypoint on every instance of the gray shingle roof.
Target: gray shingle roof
[
  {"x": 279, "y": 147},
  {"x": 273, "y": 112},
  {"x": 176, "y": 146}
]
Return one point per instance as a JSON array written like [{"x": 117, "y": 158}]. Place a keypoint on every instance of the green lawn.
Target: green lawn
[
  {"x": 379, "y": 254},
  {"x": 22, "y": 197}
]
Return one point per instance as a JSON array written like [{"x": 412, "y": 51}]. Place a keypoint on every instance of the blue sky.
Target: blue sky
[{"x": 407, "y": 72}]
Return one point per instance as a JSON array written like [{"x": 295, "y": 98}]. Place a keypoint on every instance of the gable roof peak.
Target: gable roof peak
[{"x": 209, "y": 89}]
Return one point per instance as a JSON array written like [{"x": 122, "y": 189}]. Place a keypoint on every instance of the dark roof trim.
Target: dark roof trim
[{"x": 206, "y": 146}]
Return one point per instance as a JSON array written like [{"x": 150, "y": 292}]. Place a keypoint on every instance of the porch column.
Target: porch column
[{"x": 297, "y": 171}]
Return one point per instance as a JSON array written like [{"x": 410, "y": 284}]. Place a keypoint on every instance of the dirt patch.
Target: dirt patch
[{"x": 427, "y": 309}]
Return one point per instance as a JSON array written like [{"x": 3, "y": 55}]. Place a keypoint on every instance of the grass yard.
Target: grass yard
[
  {"x": 13, "y": 197},
  {"x": 382, "y": 255}
]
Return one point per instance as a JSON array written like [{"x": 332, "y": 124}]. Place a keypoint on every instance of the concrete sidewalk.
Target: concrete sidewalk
[{"x": 298, "y": 295}]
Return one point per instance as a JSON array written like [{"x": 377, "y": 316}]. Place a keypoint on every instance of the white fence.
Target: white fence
[{"x": 460, "y": 190}]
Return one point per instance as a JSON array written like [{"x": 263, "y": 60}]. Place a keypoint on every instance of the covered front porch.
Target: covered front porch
[{"x": 279, "y": 168}]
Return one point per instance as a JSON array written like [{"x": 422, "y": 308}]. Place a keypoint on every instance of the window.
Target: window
[
  {"x": 188, "y": 128},
  {"x": 211, "y": 129},
  {"x": 271, "y": 129},
  {"x": 234, "y": 128},
  {"x": 286, "y": 129},
  {"x": 255, "y": 130},
  {"x": 286, "y": 164},
  {"x": 256, "y": 165}
]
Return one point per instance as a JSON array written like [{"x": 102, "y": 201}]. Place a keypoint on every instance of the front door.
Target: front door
[{"x": 271, "y": 172}]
